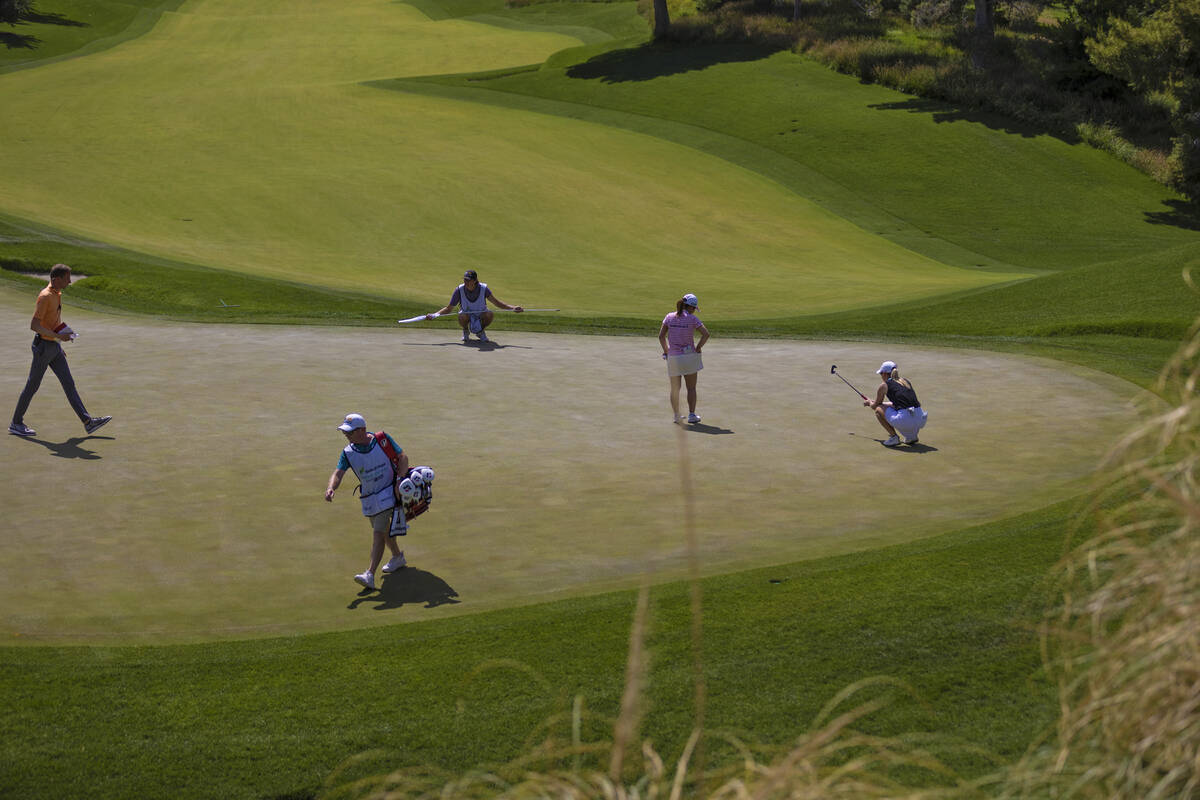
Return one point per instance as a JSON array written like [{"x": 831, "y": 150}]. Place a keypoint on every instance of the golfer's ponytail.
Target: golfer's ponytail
[{"x": 680, "y": 306}]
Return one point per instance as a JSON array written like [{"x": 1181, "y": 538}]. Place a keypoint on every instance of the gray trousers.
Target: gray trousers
[{"x": 49, "y": 354}]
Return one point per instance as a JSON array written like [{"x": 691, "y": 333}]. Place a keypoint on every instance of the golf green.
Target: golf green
[
  {"x": 198, "y": 513},
  {"x": 242, "y": 136}
]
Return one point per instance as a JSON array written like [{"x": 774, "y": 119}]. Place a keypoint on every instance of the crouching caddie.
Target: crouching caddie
[{"x": 367, "y": 455}]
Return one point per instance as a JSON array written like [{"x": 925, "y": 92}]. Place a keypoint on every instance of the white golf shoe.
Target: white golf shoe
[
  {"x": 891, "y": 441},
  {"x": 366, "y": 579},
  {"x": 395, "y": 564},
  {"x": 693, "y": 419}
]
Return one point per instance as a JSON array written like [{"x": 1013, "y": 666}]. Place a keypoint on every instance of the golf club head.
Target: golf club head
[{"x": 833, "y": 369}]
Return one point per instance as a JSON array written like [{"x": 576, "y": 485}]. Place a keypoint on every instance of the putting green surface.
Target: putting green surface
[
  {"x": 198, "y": 512},
  {"x": 240, "y": 135}
]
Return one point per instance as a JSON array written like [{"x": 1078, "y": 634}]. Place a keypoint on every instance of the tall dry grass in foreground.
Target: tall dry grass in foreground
[{"x": 1123, "y": 641}]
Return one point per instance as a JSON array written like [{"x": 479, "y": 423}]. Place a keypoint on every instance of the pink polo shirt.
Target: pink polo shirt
[{"x": 681, "y": 332}]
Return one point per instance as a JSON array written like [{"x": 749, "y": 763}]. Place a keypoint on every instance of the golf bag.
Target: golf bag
[{"x": 413, "y": 496}]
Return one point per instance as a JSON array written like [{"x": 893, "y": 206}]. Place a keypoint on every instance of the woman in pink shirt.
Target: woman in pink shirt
[{"x": 682, "y": 352}]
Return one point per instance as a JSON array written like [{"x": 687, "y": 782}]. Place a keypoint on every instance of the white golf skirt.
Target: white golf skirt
[
  {"x": 684, "y": 364},
  {"x": 907, "y": 421}
]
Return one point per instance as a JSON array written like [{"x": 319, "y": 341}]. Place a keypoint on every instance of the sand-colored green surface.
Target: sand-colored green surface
[
  {"x": 240, "y": 136},
  {"x": 198, "y": 512}
]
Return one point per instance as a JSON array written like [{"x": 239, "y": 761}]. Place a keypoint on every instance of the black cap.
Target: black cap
[{"x": 471, "y": 275}]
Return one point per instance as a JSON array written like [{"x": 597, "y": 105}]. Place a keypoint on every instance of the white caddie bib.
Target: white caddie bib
[
  {"x": 374, "y": 472},
  {"x": 472, "y": 306}
]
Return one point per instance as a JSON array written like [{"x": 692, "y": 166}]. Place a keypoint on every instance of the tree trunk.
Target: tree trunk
[
  {"x": 795, "y": 10},
  {"x": 984, "y": 18},
  {"x": 662, "y": 19},
  {"x": 984, "y": 31}
]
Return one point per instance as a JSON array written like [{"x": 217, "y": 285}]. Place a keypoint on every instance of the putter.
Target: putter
[{"x": 833, "y": 371}]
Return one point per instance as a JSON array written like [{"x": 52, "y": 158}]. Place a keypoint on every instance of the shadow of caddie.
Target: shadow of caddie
[{"x": 409, "y": 586}]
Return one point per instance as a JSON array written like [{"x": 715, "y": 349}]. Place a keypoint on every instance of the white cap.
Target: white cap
[
  {"x": 352, "y": 422},
  {"x": 886, "y": 366},
  {"x": 691, "y": 300}
]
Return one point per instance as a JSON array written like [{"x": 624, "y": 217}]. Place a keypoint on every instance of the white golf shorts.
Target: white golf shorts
[
  {"x": 907, "y": 421},
  {"x": 684, "y": 364}
]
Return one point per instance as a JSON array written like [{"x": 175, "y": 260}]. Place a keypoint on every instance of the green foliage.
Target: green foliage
[
  {"x": 1158, "y": 54},
  {"x": 11, "y": 11}
]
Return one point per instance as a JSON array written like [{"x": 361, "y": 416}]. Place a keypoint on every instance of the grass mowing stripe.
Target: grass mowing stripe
[
  {"x": 803, "y": 180},
  {"x": 972, "y": 179}
]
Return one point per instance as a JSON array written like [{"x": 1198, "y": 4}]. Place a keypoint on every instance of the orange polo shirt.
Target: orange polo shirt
[{"x": 49, "y": 310}]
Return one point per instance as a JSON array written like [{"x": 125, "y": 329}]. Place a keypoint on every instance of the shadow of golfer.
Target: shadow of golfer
[
  {"x": 919, "y": 447},
  {"x": 71, "y": 448},
  {"x": 409, "y": 586},
  {"x": 490, "y": 345},
  {"x": 712, "y": 430}
]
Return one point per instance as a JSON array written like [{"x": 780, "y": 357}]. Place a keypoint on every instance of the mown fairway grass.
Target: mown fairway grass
[
  {"x": 952, "y": 615},
  {"x": 242, "y": 136}
]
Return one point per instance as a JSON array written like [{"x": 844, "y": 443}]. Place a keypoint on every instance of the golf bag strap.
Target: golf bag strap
[{"x": 381, "y": 438}]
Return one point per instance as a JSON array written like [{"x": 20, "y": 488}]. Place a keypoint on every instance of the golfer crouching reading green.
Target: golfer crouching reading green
[
  {"x": 896, "y": 406},
  {"x": 366, "y": 454}
]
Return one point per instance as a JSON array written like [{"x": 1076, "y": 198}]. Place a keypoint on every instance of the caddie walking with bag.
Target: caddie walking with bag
[{"x": 378, "y": 462}]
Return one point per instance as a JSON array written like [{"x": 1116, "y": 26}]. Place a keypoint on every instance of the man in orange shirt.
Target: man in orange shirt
[{"x": 48, "y": 352}]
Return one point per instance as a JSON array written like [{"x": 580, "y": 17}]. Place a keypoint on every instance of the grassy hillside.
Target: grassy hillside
[
  {"x": 282, "y": 163},
  {"x": 953, "y": 616}
]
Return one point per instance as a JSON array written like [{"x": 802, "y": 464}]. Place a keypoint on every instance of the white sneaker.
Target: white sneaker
[
  {"x": 913, "y": 440},
  {"x": 366, "y": 579},
  {"x": 396, "y": 563},
  {"x": 693, "y": 419},
  {"x": 891, "y": 441}
]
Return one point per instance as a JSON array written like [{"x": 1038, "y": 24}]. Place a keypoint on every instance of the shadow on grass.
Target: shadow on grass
[
  {"x": 943, "y": 112},
  {"x": 649, "y": 61},
  {"x": 19, "y": 41},
  {"x": 71, "y": 448},
  {"x": 712, "y": 430},
  {"x": 409, "y": 586},
  {"x": 1182, "y": 215},
  {"x": 42, "y": 18},
  {"x": 488, "y": 345}
]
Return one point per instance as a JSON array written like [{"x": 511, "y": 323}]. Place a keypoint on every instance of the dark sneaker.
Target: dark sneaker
[
  {"x": 96, "y": 423},
  {"x": 19, "y": 429},
  {"x": 483, "y": 337}
]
